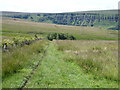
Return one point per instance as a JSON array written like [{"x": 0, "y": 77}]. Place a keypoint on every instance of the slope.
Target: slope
[
  {"x": 107, "y": 19},
  {"x": 13, "y": 26}
]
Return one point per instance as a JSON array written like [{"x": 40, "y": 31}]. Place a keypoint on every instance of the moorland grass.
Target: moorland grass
[
  {"x": 55, "y": 72},
  {"x": 18, "y": 58},
  {"x": 80, "y": 33},
  {"x": 16, "y": 80},
  {"x": 97, "y": 57}
]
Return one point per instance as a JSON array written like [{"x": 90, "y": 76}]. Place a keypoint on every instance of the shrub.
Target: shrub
[{"x": 60, "y": 36}]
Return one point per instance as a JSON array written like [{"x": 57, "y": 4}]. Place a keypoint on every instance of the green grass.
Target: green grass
[
  {"x": 0, "y": 69},
  {"x": 97, "y": 57},
  {"x": 16, "y": 80},
  {"x": 55, "y": 72},
  {"x": 83, "y": 63},
  {"x": 19, "y": 57},
  {"x": 81, "y": 33}
]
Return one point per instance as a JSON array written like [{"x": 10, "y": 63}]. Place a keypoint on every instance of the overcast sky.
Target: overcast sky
[{"x": 57, "y": 6}]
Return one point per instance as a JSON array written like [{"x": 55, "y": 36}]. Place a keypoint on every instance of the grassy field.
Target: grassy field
[
  {"x": 97, "y": 57},
  {"x": 90, "y": 61},
  {"x": 57, "y": 72},
  {"x": 11, "y": 27},
  {"x": 20, "y": 62},
  {"x": 18, "y": 58}
]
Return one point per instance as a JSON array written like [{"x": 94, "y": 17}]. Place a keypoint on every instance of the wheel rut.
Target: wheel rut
[{"x": 27, "y": 78}]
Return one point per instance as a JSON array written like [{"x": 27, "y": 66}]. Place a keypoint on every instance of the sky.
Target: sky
[{"x": 57, "y": 6}]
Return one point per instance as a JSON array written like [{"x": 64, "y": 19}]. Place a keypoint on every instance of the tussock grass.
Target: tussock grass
[
  {"x": 19, "y": 58},
  {"x": 97, "y": 57}
]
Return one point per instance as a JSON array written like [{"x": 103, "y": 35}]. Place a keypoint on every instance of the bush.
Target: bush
[{"x": 60, "y": 36}]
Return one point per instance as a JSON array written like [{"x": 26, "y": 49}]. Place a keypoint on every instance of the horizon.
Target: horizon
[
  {"x": 59, "y": 12},
  {"x": 57, "y": 6}
]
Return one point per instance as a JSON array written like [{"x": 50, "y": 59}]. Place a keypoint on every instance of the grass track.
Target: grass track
[
  {"x": 16, "y": 80},
  {"x": 54, "y": 72}
]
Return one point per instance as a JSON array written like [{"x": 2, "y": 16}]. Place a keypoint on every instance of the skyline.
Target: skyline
[{"x": 57, "y": 6}]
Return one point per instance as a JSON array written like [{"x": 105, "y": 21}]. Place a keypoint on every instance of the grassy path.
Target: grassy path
[
  {"x": 22, "y": 76},
  {"x": 54, "y": 72},
  {"x": 33, "y": 70},
  {"x": 16, "y": 80}
]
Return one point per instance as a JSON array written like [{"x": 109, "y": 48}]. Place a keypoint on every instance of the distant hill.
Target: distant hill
[
  {"x": 107, "y": 19},
  {"x": 114, "y": 11}
]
